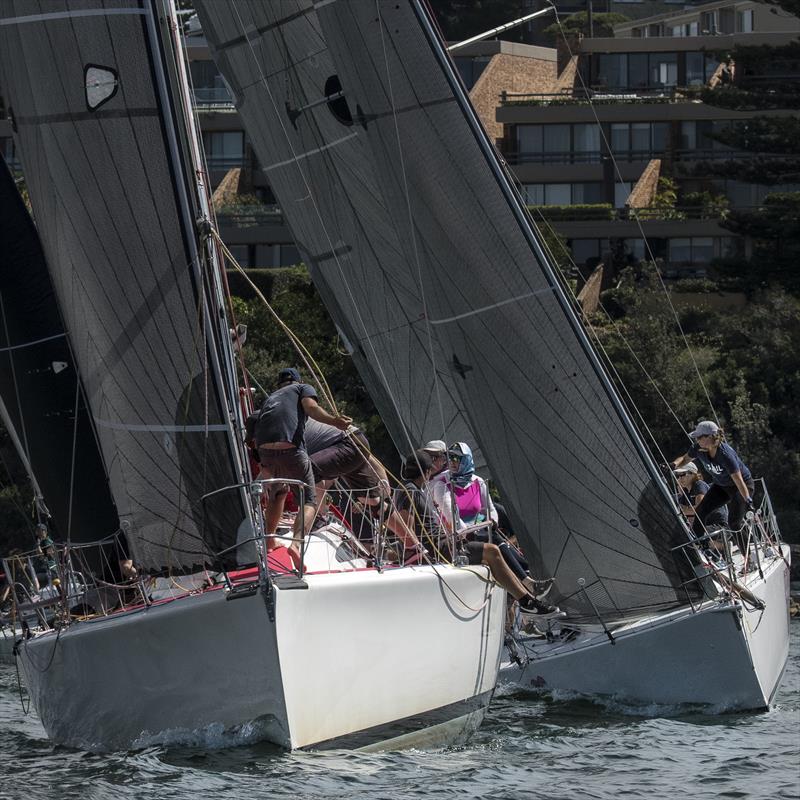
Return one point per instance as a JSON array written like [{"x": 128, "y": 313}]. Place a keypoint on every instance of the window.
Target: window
[
  {"x": 587, "y": 193},
  {"x": 680, "y": 251},
  {"x": 612, "y": 71},
  {"x": 586, "y": 139},
  {"x": 622, "y": 192},
  {"x": 276, "y": 255},
  {"x": 640, "y": 138},
  {"x": 620, "y": 138},
  {"x": 529, "y": 139},
  {"x": 744, "y": 21},
  {"x": 224, "y": 149},
  {"x": 208, "y": 85},
  {"x": 663, "y": 69},
  {"x": 584, "y": 249},
  {"x": 556, "y": 142},
  {"x": 637, "y": 71},
  {"x": 533, "y": 194}
]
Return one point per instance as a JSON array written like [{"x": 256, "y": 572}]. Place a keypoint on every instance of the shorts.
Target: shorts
[
  {"x": 290, "y": 463},
  {"x": 474, "y": 552},
  {"x": 346, "y": 459}
]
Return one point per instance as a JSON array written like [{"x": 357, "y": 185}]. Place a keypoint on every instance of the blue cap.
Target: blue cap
[{"x": 288, "y": 374}]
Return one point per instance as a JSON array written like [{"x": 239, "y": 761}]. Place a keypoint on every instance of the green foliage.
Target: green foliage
[
  {"x": 577, "y": 24},
  {"x": 460, "y": 19},
  {"x": 706, "y": 205},
  {"x": 578, "y": 211},
  {"x": 763, "y": 134},
  {"x": 662, "y": 206},
  {"x": 775, "y": 231},
  {"x": 749, "y": 361},
  {"x": 297, "y": 302}
]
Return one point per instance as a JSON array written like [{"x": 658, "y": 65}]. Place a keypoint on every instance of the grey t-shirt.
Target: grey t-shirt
[
  {"x": 282, "y": 418},
  {"x": 319, "y": 436}
]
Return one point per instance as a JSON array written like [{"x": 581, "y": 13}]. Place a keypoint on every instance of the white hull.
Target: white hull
[
  {"x": 8, "y": 636},
  {"x": 722, "y": 654},
  {"x": 355, "y": 659}
]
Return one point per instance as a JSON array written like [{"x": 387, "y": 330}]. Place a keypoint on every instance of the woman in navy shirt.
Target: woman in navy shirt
[{"x": 731, "y": 481}]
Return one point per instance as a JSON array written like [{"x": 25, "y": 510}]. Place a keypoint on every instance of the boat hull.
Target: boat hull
[
  {"x": 723, "y": 654},
  {"x": 354, "y": 659}
]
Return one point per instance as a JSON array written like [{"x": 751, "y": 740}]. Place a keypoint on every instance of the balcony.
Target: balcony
[
  {"x": 606, "y": 96},
  {"x": 248, "y": 216},
  {"x": 212, "y": 98}
]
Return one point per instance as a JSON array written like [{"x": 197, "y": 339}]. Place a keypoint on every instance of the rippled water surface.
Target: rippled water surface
[{"x": 529, "y": 747}]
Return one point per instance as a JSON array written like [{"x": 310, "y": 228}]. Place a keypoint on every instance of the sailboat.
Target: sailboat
[
  {"x": 200, "y": 647},
  {"x": 387, "y": 178}
]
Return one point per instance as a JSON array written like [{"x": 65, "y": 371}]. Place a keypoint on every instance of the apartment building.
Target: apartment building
[{"x": 633, "y": 115}]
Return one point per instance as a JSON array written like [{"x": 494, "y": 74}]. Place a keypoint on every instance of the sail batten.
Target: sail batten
[{"x": 107, "y": 179}]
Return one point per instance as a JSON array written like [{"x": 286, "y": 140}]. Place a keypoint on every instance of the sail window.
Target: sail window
[
  {"x": 337, "y": 104},
  {"x": 101, "y": 85}
]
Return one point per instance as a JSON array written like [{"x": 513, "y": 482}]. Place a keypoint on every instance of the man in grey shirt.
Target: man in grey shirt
[{"x": 279, "y": 438}]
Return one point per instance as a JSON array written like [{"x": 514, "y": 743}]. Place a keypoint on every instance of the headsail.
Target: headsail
[
  {"x": 275, "y": 58},
  {"x": 40, "y": 392},
  {"x": 90, "y": 100},
  {"x": 582, "y": 492}
]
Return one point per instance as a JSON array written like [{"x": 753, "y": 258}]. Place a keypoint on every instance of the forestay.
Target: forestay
[
  {"x": 582, "y": 492},
  {"x": 314, "y": 155},
  {"x": 41, "y": 399},
  {"x": 89, "y": 103}
]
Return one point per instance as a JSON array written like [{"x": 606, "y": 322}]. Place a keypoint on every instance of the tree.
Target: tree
[{"x": 578, "y": 25}]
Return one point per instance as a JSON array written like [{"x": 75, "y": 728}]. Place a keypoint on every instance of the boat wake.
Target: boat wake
[
  {"x": 211, "y": 737},
  {"x": 616, "y": 705}
]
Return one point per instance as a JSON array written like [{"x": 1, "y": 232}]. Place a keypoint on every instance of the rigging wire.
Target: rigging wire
[
  {"x": 246, "y": 34},
  {"x": 618, "y": 173}
]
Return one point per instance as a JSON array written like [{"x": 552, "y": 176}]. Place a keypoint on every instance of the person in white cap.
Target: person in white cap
[
  {"x": 691, "y": 491},
  {"x": 732, "y": 483}
]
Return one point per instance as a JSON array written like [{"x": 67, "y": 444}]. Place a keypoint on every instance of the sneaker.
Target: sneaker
[
  {"x": 531, "y": 608},
  {"x": 538, "y": 589}
]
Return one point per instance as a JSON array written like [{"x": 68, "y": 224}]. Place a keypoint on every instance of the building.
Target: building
[
  {"x": 594, "y": 126},
  {"x": 631, "y": 115}
]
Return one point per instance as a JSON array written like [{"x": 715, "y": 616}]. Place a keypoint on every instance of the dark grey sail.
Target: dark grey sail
[
  {"x": 40, "y": 390},
  {"x": 93, "y": 111},
  {"x": 581, "y": 490},
  {"x": 314, "y": 155}
]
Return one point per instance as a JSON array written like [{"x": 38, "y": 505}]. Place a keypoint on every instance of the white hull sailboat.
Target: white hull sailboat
[
  {"x": 459, "y": 320},
  {"x": 356, "y": 658},
  {"x": 330, "y": 652},
  {"x": 725, "y": 653}
]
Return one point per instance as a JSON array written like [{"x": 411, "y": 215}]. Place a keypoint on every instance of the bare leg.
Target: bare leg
[{"x": 493, "y": 559}]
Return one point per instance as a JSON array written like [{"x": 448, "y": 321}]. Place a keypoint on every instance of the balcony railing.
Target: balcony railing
[
  {"x": 560, "y": 157},
  {"x": 248, "y": 216},
  {"x": 604, "y": 95},
  {"x": 224, "y": 161},
  {"x": 212, "y": 96}
]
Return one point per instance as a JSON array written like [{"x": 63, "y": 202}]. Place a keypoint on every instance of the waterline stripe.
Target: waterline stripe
[{"x": 489, "y": 308}]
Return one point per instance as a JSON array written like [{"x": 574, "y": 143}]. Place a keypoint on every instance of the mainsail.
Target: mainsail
[
  {"x": 40, "y": 393},
  {"x": 582, "y": 492},
  {"x": 89, "y": 94},
  {"x": 315, "y": 156}
]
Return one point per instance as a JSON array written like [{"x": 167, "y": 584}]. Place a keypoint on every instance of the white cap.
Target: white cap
[
  {"x": 435, "y": 446},
  {"x": 705, "y": 428},
  {"x": 686, "y": 469}
]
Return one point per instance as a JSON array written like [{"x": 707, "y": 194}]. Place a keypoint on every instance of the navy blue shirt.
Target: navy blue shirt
[
  {"x": 689, "y": 497},
  {"x": 282, "y": 418},
  {"x": 724, "y": 463}
]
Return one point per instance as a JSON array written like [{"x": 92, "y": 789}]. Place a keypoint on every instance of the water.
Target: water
[{"x": 529, "y": 747}]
